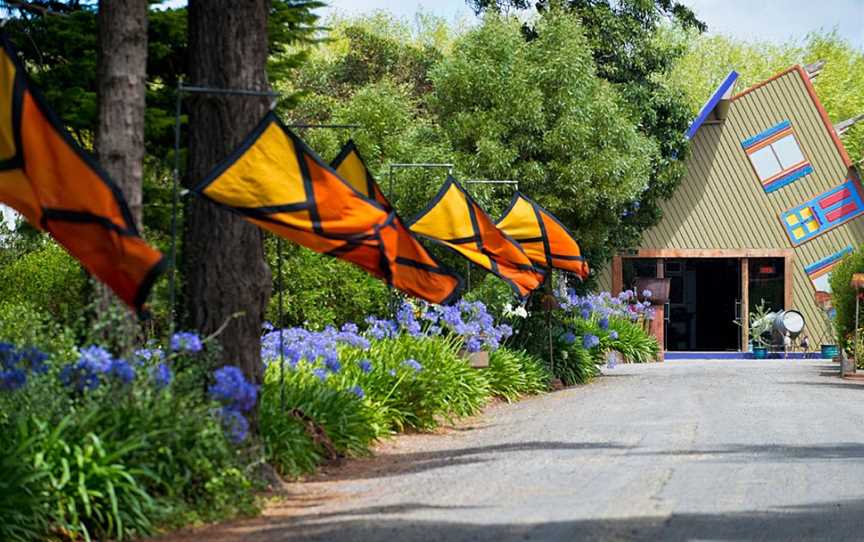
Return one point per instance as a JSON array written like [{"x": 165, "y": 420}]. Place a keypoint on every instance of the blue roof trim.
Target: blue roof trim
[
  {"x": 712, "y": 103},
  {"x": 824, "y": 262},
  {"x": 747, "y": 143}
]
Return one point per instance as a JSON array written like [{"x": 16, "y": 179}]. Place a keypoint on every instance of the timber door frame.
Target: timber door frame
[{"x": 742, "y": 255}]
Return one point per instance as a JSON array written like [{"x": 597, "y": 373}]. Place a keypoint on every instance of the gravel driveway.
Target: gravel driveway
[{"x": 707, "y": 450}]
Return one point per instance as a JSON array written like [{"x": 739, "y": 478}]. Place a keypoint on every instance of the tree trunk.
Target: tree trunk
[
  {"x": 122, "y": 75},
  {"x": 122, "y": 90},
  {"x": 225, "y": 269}
]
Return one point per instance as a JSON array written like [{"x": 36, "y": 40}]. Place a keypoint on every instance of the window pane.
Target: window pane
[
  {"x": 788, "y": 151},
  {"x": 765, "y": 163}
]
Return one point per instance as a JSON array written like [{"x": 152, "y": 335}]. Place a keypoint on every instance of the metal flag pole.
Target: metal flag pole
[
  {"x": 175, "y": 184},
  {"x": 279, "y": 285},
  {"x": 390, "y": 175},
  {"x": 175, "y": 204}
]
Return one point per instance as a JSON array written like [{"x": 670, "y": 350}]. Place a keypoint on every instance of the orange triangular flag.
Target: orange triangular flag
[
  {"x": 416, "y": 272},
  {"x": 59, "y": 188},
  {"x": 454, "y": 219},
  {"x": 542, "y": 236}
]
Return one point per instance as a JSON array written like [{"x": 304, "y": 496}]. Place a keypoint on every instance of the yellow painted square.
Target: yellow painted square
[
  {"x": 798, "y": 232},
  {"x": 806, "y": 213},
  {"x": 812, "y": 226},
  {"x": 791, "y": 219}
]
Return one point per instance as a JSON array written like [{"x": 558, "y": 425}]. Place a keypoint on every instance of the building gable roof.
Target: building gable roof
[{"x": 811, "y": 91}]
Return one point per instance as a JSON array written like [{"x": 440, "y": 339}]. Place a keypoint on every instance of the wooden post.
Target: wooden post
[
  {"x": 745, "y": 303},
  {"x": 658, "y": 325},
  {"x": 617, "y": 275},
  {"x": 788, "y": 281}
]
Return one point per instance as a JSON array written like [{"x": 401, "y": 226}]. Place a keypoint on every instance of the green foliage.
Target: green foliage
[
  {"x": 574, "y": 364},
  {"x": 633, "y": 342},
  {"x": 513, "y": 374},
  {"x": 445, "y": 389},
  {"x": 321, "y": 290},
  {"x": 322, "y": 418},
  {"x": 116, "y": 462},
  {"x": 536, "y": 110},
  {"x": 25, "y": 324},
  {"x": 843, "y": 296},
  {"x": 331, "y": 419},
  {"x": 49, "y": 280},
  {"x": 24, "y": 506}
]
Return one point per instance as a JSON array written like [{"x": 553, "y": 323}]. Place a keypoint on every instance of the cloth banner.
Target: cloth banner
[
  {"x": 542, "y": 236},
  {"x": 416, "y": 272},
  {"x": 455, "y": 220},
  {"x": 277, "y": 182},
  {"x": 48, "y": 178}
]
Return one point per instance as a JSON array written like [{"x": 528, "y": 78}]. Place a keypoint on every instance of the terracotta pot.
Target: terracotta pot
[{"x": 478, "y": 360}]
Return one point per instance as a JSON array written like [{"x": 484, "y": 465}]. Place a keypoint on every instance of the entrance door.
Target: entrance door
[{"x": 704, "y": 294}]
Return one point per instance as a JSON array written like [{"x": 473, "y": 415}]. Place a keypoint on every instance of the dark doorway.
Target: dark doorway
[{"x": 704, "y": 297}]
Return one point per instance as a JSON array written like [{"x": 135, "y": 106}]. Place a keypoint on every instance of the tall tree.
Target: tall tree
[
  {"x": 225, "y": 270},
  {"x": 623, "y": 36},
  {"x": 122, "y": 74}
]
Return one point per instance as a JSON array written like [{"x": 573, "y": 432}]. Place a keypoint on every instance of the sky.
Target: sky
[{"x": 771, "y": 20}]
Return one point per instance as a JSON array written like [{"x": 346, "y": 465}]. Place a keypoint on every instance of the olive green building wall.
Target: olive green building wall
[{"x": 721, "y": 204}]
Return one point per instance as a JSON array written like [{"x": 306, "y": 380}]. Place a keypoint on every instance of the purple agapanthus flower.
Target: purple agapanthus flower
[
  {"x": 235, "y": 424},
  {"x": 81, "y": 376},
  {"x": 604, "y": 323},
  {"x": 232, "y": 390},
  {"x": 33, "y": 359},
  {"x": 568, "y": 338},
  {"x": 358, "y": 391},
  {"x": 321, "y": 374},
  {"x": 162, "y": 376},
  {"x": 613, "y": 335},
  {"x": 590, "y": 341},
  {"x": 413, "y": 364},
  {"x": 122, "y": 371},
  {"x": 365, "y": 365},
  {"x": 96, "y": 358},
  {"x": 12, "y": 379},
  {"x": 186, "y": 341},
  {"x": 333, "y": 365}
]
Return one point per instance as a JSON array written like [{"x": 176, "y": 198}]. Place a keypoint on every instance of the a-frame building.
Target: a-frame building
[{"x": 769, "y": 204}]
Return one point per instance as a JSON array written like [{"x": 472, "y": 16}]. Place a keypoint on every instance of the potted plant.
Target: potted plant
[{"x": 761, "y": 321}]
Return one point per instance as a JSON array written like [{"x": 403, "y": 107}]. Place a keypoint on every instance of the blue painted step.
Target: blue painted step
[{"x": 739, "y": 355}]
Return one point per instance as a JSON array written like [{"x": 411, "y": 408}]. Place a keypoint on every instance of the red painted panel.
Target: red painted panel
[
  {"x": 840, "y": 212},
  {"x": 834, "y": 199}
]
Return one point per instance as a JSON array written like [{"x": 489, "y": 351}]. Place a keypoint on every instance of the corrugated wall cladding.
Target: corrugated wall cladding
[{"x": 721, "y": 204}]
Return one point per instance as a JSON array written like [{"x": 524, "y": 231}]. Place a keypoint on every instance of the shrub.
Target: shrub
[
  {"x": 843, "y": 296},
  {"x": 515, "y": 373},
  {"x": 107, "y": 448},
  {"x": 574, "y": 364},
  {"x": 634, "y": 344},
  {"x": 49, "y": 280},
  {"x": 417, "y": 381},
  {"x": 23, "y": 323},
  {"x": 331, "y": 292},
  {"x": 317, "y": 421},
  {"x": 24, "y": 506}
]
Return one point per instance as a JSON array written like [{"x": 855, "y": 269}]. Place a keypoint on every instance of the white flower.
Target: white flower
[{"x": 517, "y": 312}]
